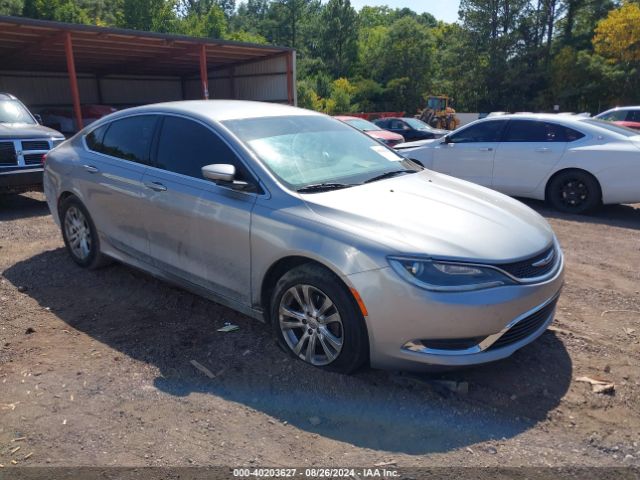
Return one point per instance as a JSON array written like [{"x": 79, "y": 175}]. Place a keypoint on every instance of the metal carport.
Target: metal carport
[{"x": 53, "y": 64}]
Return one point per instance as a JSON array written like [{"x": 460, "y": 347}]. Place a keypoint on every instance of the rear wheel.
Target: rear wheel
[
  {"x": 316, "y": 319},
  {"x": 574, "y": 191},
  {"x": 80, "y": 234}
]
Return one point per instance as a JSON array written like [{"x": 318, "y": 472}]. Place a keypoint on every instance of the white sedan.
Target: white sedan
[{"x": 574, "y": 163}]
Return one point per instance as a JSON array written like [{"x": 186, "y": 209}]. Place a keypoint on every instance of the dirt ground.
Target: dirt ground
[{"x": 95, "y": 369}]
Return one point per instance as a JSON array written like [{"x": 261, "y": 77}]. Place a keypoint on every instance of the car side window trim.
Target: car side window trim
[{"x": 261, "y": 190}]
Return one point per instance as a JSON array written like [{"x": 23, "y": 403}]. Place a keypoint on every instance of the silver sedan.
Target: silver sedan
[{"x": 352, "y": 253}]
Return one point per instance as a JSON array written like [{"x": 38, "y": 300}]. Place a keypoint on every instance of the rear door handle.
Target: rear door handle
[
  {"x": 91, "y": 168},
  {"x": 486, "y": 149},
  {"x": 156, "y": 186},
  {"x": 543, "y": 150}
]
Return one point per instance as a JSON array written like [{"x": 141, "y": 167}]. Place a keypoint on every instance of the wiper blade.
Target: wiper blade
[
  {"x": 324, "y": 187},
  {"x": 389, "y": 175}
]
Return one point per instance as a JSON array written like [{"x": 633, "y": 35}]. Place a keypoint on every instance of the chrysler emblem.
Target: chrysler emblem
[{"x": 545, "y": 261}]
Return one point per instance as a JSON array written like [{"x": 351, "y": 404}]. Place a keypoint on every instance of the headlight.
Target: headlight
[
  {"x": 444, "y": 276},
  {"x": 57, "y": 141}
]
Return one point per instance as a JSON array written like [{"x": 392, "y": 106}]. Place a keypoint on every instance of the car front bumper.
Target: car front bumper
[
  {"x": 20, "y": 179},
  {"x": 403, "y": 318}
]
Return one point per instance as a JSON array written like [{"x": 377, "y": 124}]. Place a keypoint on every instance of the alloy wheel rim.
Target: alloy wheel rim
[
  {"x": 311, "y": 324},
  {"x": 574, "y": 193},
  {"x": 78, "y": 233}
]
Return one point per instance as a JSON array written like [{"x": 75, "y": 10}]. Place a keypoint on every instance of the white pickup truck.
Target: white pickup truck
[{"x": 23, "y": 143}]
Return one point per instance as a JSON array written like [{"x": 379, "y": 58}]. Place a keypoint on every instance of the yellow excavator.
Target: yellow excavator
[{"x": 439, "y": 113}]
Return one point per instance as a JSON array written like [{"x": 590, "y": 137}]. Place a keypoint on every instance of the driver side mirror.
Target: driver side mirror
[
  {"x": 38, "y": 118},
  {"x": 224, "y": 174},
  {"x": 446, "y": 139}
]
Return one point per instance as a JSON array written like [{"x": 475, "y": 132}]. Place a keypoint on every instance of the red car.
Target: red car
[
  {"x": 384, "y": 136},
  {"x": 624, "y": 116}
]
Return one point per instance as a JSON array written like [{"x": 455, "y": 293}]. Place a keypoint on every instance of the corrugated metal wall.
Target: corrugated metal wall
[{"x": 264, "y": 80}]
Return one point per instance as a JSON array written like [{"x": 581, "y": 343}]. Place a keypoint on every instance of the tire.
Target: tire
[
  {"x": 574, "y": 191},
  {"x": 85, "y": 247},
  {"x": 337, "y": 332}
]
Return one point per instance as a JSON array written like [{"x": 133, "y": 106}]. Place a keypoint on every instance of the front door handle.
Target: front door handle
[
  {"x": 91, "y": 168},
  {"x": 156, "y": 186},
  {"x": 543, "y": 150},
  {"x": 486, "y": 149}
]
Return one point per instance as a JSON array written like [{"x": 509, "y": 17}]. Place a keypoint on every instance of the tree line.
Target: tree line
[{"x": 512, "y": 55}]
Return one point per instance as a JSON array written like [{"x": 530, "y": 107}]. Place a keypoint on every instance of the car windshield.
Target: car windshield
[
  {"x": 417, "y": 124},
  {"x": 363, "y": 125},
  {"x": 312, "y": 150},
  {"x": 12, "y": 111},
  {"x": 612, "y": 127}
]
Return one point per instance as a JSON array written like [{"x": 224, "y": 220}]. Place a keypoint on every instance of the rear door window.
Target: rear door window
[
  {"x": 129, "y": 138},
  {"x": 533, "y": 131}
]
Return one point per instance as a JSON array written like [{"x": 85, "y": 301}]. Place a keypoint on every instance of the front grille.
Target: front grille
[
  {"x": 7, "y": 154},
  {"x": 33, "y": 159},
  {"x": 35, "y": 145},
  {"x": 524, "y": 269},
  {"x": 525, "y": 327}
]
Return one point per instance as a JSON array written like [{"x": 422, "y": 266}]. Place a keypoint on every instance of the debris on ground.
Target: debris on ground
[
  {"x": 29, "y": 331},
  {"x": 385, "y": 464},
  {"x": 454, "y": 386},
  {"x": 598, "y": 385},
  {"x": 229, "y": 327},
  {"x": 203, "y": 369},
  {"x": 619, "y": 311}
]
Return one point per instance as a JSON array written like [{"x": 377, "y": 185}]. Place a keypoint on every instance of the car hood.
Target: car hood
[
  {"x": 436, "y": 215},
  {"x": 26, "y": 130},
  {"x": 384, "y": 134}
]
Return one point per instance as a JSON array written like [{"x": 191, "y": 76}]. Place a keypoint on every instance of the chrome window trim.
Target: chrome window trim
[{"x": 149, "y": 165}]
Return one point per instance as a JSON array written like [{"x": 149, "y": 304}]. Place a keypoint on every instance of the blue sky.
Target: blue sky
[{"x": 446, "y": 10}]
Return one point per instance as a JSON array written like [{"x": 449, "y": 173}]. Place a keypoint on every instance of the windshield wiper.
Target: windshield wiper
[
  {"x": 325, "y": 187},
  {"x": 389, "y": 175}
]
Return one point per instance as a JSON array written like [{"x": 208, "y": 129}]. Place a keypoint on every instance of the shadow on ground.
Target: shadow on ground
[
  {"x": 624, "y": 216},
  {"x": 153, "y": 322},
  {"x": 13, "y": 207}
]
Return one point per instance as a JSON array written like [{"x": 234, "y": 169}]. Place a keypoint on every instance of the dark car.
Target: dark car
[
  {"x": 23, "y": 144},
  {"x": 410, "y": 128}
]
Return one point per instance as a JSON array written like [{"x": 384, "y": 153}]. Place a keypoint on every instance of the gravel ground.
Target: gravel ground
[{"x": 95, "y": 369}]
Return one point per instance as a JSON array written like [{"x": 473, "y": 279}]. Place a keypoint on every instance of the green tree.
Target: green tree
[
  {"x": 59, "y": 10},
  {"x": 338, "y": 38},
  {"x": 11, "y": 7}
]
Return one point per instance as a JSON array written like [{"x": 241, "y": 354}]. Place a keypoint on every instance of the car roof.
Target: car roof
[
  {"x": 221, "y": 110},
  {"x": 553, "y": 117},
  {"x": 7, "y": 96},
  {"x": 348, "y": 117},
  {"x": 621, "y": 108}
]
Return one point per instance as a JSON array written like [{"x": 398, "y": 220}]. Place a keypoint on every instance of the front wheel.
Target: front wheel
[
  {"x": 317, "y": 320},
  {"x": 574, "y": 191}
]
